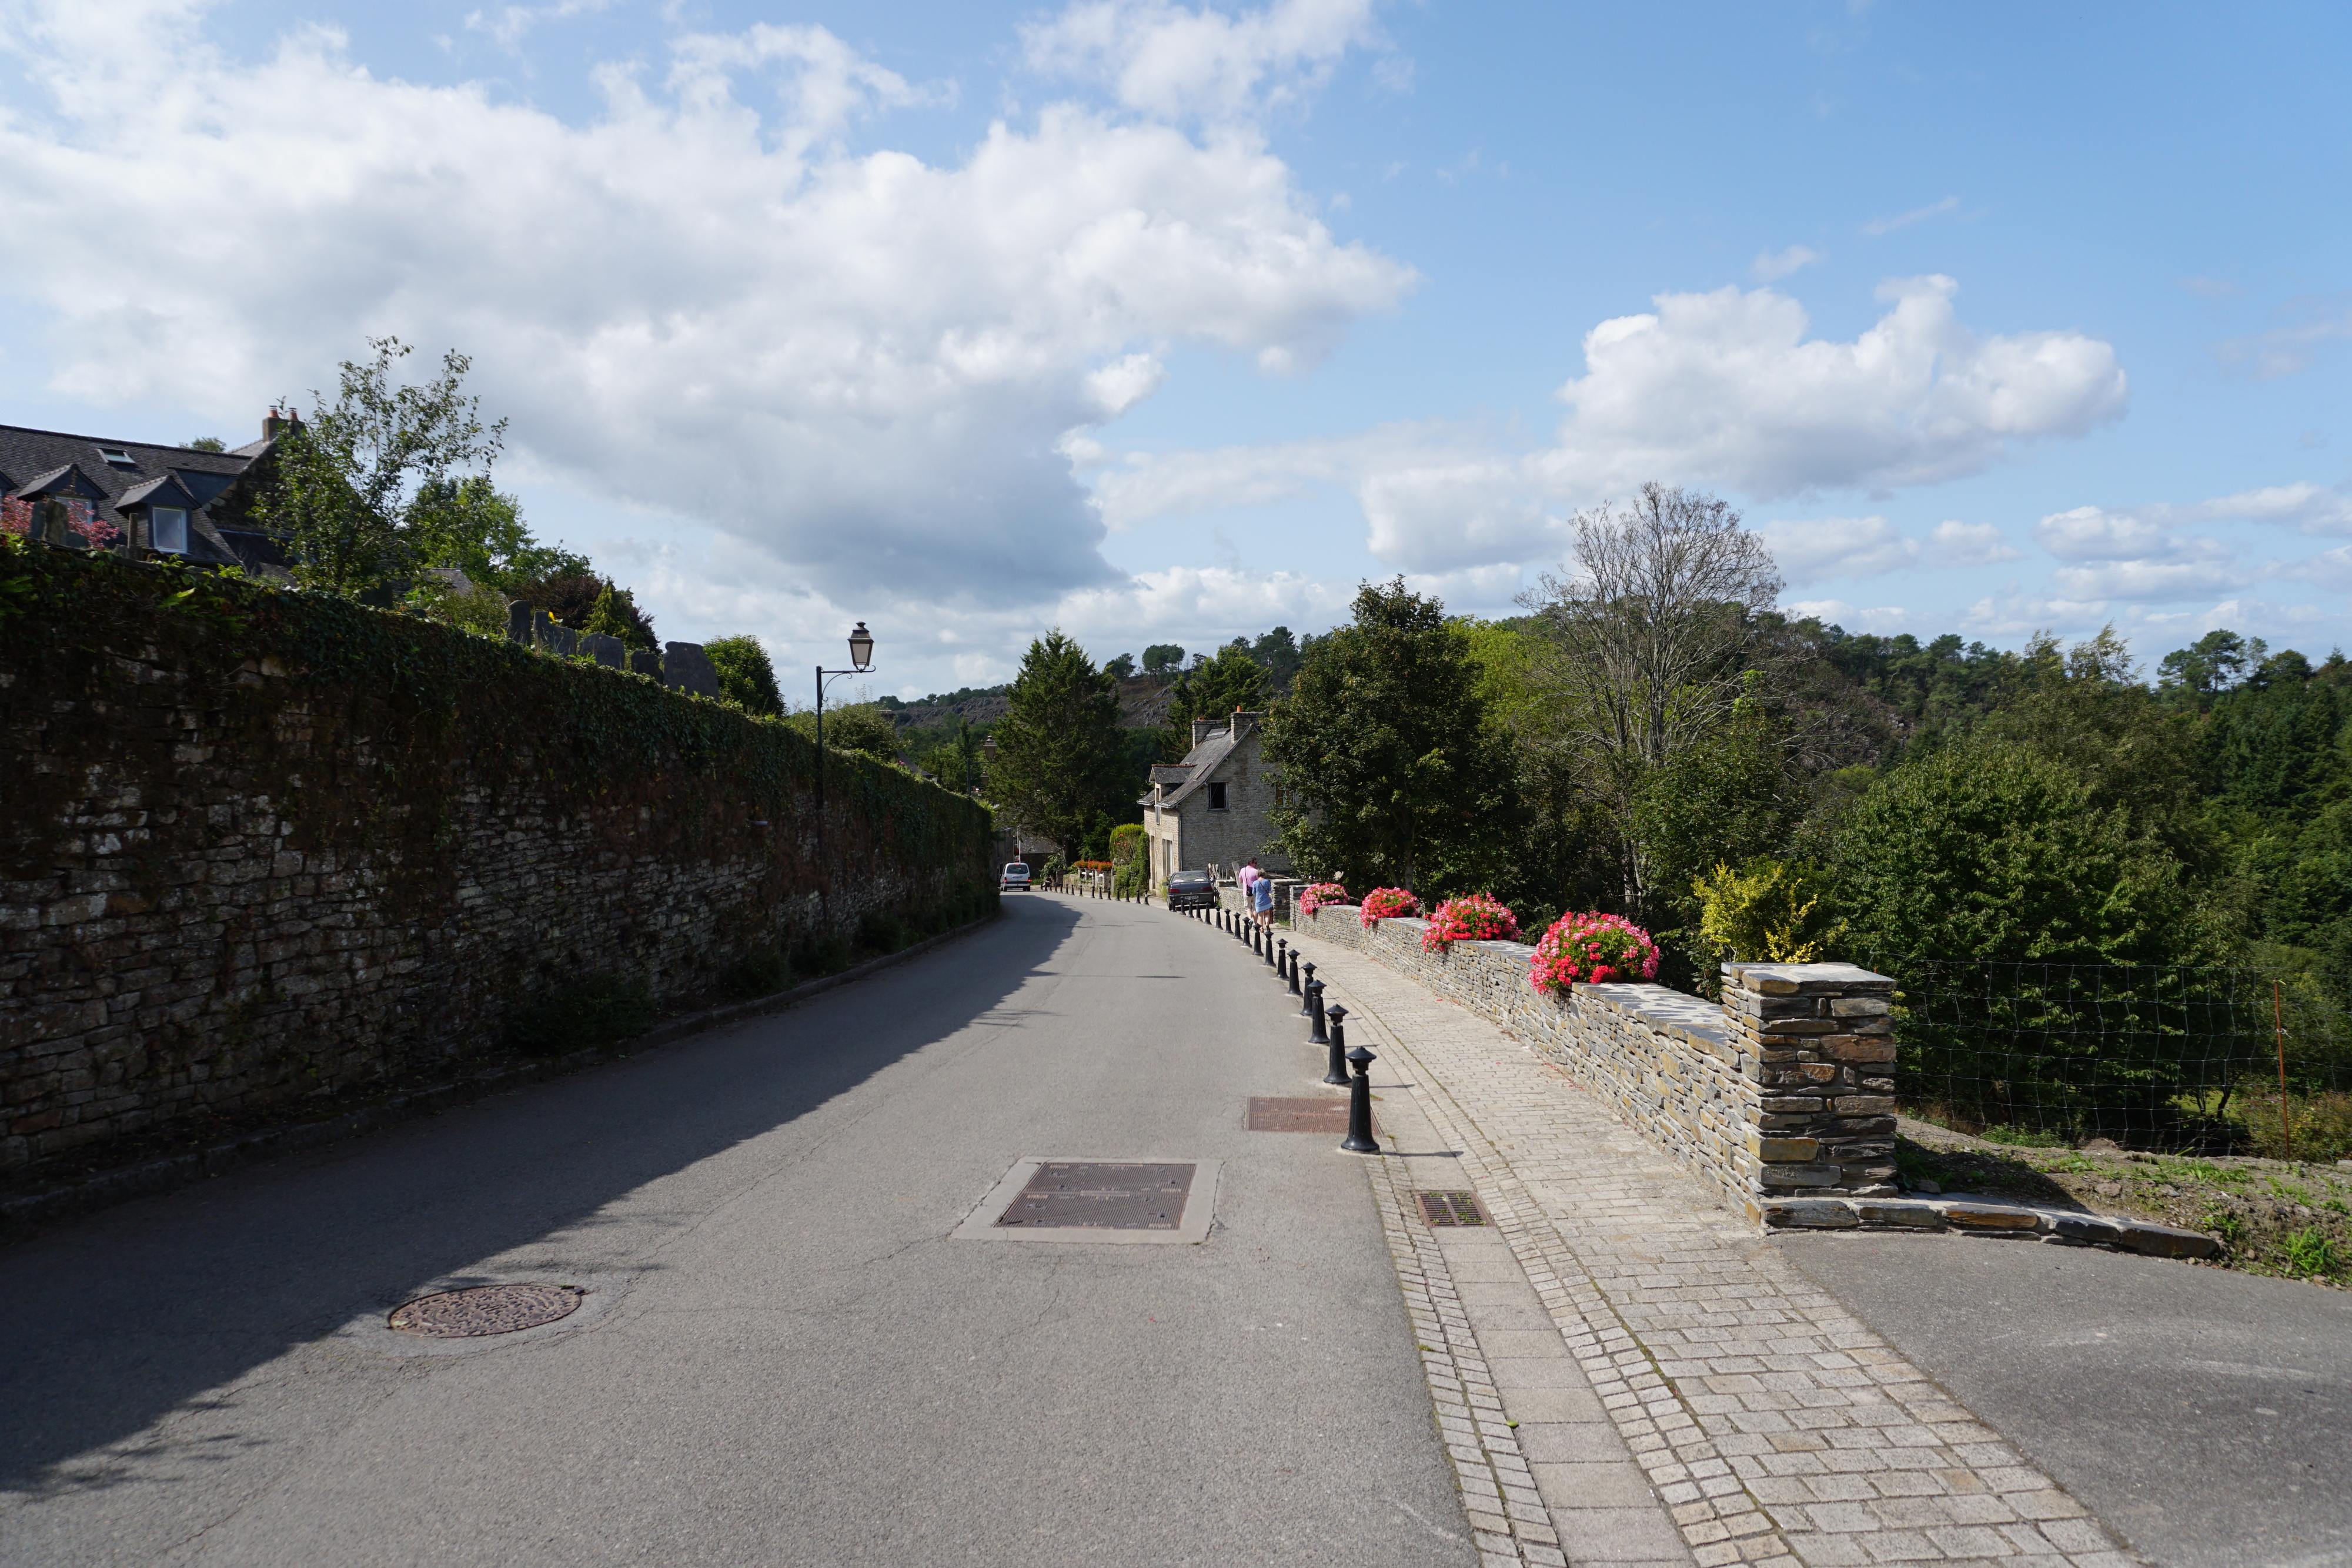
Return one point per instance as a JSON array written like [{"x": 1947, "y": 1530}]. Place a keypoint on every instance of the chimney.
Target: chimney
[
  {"x": 278, "y": 423},
  {"x": 1202, "y": 729}
]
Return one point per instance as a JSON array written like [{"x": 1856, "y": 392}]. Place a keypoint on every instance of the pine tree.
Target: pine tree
[{"x": 1061, "y": 766}]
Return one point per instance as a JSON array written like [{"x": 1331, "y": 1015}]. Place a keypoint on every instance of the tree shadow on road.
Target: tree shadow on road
[{"x": 115, "y": 1322}]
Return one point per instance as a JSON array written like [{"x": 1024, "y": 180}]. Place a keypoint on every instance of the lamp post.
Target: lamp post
[{"x": 861, "y": 662}]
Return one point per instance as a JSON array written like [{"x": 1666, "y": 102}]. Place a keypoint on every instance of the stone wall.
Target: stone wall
[
  {"x": 262, "y": 846},
  {"x": 1785, "y": 1089}
]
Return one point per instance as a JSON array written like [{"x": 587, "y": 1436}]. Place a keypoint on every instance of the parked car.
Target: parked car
[
  {"x": 1016, "y": 877},
  {"x": 1192, "y": 890}
]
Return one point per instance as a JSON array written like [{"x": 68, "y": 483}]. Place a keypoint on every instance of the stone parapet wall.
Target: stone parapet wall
[
  {"x": 1780, "y": 1090},
  {"x": 263, "y": 848}
]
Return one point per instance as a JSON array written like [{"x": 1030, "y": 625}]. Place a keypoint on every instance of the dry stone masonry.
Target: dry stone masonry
[
  {"x": 264, "y": 847},
  {"x": 1784, "y": 1089}
]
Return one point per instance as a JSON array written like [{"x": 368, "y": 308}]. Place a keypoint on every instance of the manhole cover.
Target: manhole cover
[
  {"x": 1451, "y": 1208},
  {"x": 1317, "y": 1113},
  {"x": 1067, "y": 1194},
  {"x": 485, "y": 1309}
]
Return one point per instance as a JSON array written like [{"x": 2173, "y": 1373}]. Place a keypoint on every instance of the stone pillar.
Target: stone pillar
[{"x": 1818, "y": 1042}]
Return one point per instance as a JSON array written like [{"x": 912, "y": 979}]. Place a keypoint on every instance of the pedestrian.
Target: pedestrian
[
  {"x": 1262, "y": 899},
  {"x": 1248, "y": 874}
]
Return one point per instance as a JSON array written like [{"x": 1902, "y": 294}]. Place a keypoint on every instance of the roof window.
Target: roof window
[{"x": 117, "y": 458}]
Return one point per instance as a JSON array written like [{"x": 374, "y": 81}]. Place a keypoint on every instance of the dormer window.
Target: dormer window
[
  {"x": 117, "y": 458},
  {"x": 167, "y": 530}
]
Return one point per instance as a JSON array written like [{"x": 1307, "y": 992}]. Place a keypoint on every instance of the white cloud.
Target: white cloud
[
  {"x": 1725, "y": 388},
  {"x": 2133, "y": 556},
  {"x": 1917, "y": 215},
  {"x": 1957, "y": 544},
  {"x": 1772, "y": 264},
  {"x": 1178, "y": 63},
  {"x": 858, "y": 365},
  {"x": 1851, "y": 617},
  {"x": 509, "y": 24},
  {"x": 1825, "y": 548},
  {"x": 2283, "y": 350},
  {"x": 1720, "y": 389}
]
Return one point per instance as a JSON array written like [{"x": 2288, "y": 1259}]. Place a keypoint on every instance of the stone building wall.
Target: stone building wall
[
  {"x": 262, "y": 846},
  {"x": 1785, "y": 1089}
]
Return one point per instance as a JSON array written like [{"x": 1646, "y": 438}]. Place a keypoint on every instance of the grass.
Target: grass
[{"x": 2289, "y": 1221}]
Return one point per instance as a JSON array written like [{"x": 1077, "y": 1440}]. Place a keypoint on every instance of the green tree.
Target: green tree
[
  {"x": 1163, "y": 660},
  {"x": 1728, "y": 795},
  {"x": 862, "y": 727},
  {"x": 207, "y": 443},
  {"x": 572, "y": 600},
  {"x": 745, "y": 676},
  {"x": 471, "y": 525},
  {"x": 1230, "y": 680},
  {"x": 1121, "y": 668},
  {"x": 346, "y": 483},
  {"x": 1987, "y": 850},
  {"x": 1391, "y": 772},
  {"x": 1061, "y": 767}
]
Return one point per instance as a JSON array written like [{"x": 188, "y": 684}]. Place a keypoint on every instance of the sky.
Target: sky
[{"x": 1164, "y": 323}]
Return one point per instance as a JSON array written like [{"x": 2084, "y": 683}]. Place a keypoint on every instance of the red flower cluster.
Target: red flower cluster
[
  {"x": 1317, "y": 895},
  {"x": 15, "y": 516},
  {"x": 1472, "y": 918},
  {"x": 1592, "y": 948},
  {"x": 1387, "y": 903}
]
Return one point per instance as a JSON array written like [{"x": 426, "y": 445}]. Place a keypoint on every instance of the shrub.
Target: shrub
[
  {"x": 1387, "y": 903},
  {"x": 882, "y": 932},
  {"x": 2322, "y": 1124},
  {"x": 821, "y": 955},
  {"x": 1471, "y": 917},
  {"x": 1056, "y": 868},
  {"x": 1591, "y": 949},
  {"x": 762, "y": 974},
  {"x": 595, "y": 1012},
  {"x": 1768, "y": 910},
  {"x": 1315, "y": 896},
  {"x": 1126, "y": 841}
]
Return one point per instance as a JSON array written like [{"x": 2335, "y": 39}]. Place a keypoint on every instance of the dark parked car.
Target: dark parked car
[{"x": 1192, "y": 890}]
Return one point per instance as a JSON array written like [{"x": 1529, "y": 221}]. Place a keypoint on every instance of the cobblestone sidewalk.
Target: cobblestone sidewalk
[{"x": 1772, "y": 1425}]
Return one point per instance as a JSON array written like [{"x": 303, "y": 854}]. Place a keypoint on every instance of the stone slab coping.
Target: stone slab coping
[
  {"x": 1972, "y": 1214},
  {"x": 1808, "y": 979}
]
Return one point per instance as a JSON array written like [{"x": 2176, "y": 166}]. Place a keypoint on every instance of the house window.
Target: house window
[
  {"x": 167, "y": 530},
  {"x": 1216, "y": 797}
]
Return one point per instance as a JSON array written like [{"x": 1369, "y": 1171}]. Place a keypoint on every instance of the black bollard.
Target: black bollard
[
  {"x": 1305, "y": 998},
  {"x": 1360, "y": 1105},
  {"x": 1335, "y": 1070},
  {"x": 1281, "y": 959},
  {"x": 1315, "y": 1012},
  {"x": 1293, "y": 971}
]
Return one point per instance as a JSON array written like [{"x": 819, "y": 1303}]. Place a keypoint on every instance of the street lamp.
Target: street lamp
[{"x": 861, "y": 662}]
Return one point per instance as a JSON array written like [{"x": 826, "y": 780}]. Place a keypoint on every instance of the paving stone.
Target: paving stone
[{"x": 1719, "y": 1369}]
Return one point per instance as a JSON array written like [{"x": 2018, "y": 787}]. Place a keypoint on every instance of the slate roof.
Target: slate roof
[
  {"x": 37, "y": 459},
  {"x": 1202, "y": 762}
]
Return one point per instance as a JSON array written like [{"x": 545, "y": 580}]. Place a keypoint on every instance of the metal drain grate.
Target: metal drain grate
[
  {"x": 1091, "y": 1195},
  {"x": 1451, "y": 1208},
  {"x": 485, "y": 1309}
]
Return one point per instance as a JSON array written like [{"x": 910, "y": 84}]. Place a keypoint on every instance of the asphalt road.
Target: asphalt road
[
  {"x": 2205, "y": 1415},
  {"x": 783, "y": 1358}
]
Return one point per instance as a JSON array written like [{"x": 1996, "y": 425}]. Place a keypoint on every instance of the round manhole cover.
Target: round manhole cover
[{"x": 485, "y": 1309}]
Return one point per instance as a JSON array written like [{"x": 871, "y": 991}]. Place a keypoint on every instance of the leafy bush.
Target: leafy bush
[
  {"x": 1768, "y": 910},
  {"x": 1591, "y": 949},
  {"x": 883, "y": 932},
  {"x": 746, "y": 678},
  {"x": 1386, "y": 903},
  {"x": 1469, "y": 917},
  {"x": 1126, "y": 842},
  {"x": 821, "y": 955},
  {"x": 595, "y": 1012},
  {"x": 2322, "y": 1124},
  {"x": 1317, "y": 895},
  {"x": 762, "y": 974}
]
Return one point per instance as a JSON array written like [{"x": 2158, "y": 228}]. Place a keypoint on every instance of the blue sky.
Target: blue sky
[{"x": 1165, "y": 324}]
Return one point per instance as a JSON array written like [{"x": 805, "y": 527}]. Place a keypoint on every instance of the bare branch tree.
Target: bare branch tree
[{"x": 1644, "y": 648}]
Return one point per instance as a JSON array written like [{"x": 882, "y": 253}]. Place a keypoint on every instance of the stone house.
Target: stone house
[
  {"x": 1213, "y": 808},
  {"x": 86, "y": 493}
]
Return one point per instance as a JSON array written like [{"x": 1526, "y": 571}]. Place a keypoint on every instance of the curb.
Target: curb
[
  {"x": 1982, "y": 1216},
  {"x": 18, "y": 1215}
]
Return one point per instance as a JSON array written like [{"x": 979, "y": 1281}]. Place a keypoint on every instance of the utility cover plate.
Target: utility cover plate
[
  {"x": 1452, "y": 1208},
  {"x": 1053, "y": 1198},
  {"x": 1314, "y": 1113},
  {"x": 484, "y": 1309}
]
